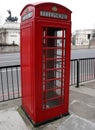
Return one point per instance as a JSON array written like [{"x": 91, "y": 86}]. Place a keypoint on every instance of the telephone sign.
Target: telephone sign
[
  {"x": 53, "y": 15},
  {"x": 27, "y": 16}
]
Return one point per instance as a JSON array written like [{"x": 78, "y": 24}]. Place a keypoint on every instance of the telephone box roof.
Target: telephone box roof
[{"x": 44, "y": 3}]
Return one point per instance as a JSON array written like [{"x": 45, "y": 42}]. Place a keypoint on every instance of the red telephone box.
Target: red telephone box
[{"x": 45, "y": 60}]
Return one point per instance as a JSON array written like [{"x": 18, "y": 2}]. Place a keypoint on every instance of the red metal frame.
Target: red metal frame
[{"x": 45, "y": 61}]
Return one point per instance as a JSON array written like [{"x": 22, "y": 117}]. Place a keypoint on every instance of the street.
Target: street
[
  {"x": 82, "y": 53},
  {"x": 14, "y": 58},
  {"x": 7, "y": 59}
]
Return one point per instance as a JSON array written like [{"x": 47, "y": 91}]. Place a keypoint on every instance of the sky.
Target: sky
[{"x": 83, "y": 11}]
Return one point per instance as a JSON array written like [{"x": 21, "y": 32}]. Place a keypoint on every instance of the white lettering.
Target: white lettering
[
  {"x": 27, "y": 16},
  {"x": 53, "y": 15}
]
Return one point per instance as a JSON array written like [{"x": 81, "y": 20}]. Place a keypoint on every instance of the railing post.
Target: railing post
[
  {"x": 94, "y": 68},
  {"x": 78, "y": 67}
]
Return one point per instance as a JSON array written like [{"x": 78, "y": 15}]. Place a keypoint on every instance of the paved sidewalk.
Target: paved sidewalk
[
  {"x": 82, "y": 113},
  {"x": 11, "y": 120}
]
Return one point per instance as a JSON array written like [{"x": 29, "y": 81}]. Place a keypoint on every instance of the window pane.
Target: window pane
[
  {"x": 54, "y": 93},
  {"x": 53, "y": 103},
  {"x": 52, "y": 53},
  {"x": 54, "y": 42},
  {"x": 58, "y": 83},
  {"x": 54, "y": 32}
]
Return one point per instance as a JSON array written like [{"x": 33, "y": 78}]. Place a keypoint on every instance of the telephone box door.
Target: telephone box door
[{"x": 53, "y": 69}]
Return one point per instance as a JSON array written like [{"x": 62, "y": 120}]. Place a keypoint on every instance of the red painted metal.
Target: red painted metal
[{"x": 45, "y": 60}]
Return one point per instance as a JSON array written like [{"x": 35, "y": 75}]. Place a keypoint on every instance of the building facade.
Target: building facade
[
  {"x": 10, "y": 33},
  {"x": 83, "y": 37}
]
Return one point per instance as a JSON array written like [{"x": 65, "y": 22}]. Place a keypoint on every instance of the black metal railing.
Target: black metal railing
[
  {"x": 10, "y": 87},
  {"x": 81, "y": 70}
]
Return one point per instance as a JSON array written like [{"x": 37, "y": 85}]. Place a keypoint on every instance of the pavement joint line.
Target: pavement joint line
[
  {"x": 76, "y": 122},
  {"x": 81, "y": 102},
  {"x": 88, "y": 91}
]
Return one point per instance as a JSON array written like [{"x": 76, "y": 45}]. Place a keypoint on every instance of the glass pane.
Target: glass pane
[
  {"x": 51, "y": 42},
  {"x": 54, "y": 93},
  {"x": 57, "y": 63},
  {"x": 53, "y": 103},
  {"x": 64, "y": 43},
  {"x": 54, "y": 53},
  {"x": 53, "y": 74},
  {"x": 54, "y": 32},
  {"x": 59, "y": 54},
  {"x": 54, "y": 84},
  {"x": 64, "y": 33}
]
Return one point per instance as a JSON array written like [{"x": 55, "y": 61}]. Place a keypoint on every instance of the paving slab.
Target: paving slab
[
  {"x": 84, "y": 90},
  {"x": 11, "y": 120},
  {"x": 75, "y": 122}
]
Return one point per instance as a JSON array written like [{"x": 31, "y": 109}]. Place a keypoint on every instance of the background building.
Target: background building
[
  {"x": 82, "y": 37},
  {"x": 10, "y": 33}
]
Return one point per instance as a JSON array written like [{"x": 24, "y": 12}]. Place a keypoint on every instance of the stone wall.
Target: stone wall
[
  {"x": 82, "y": 47},
  {"x": 9, "y": 49}
]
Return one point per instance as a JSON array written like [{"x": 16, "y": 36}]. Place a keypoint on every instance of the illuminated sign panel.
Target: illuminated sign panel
[
  {"x": 53, "y": 15},
  {"x": 27, "y": 16}
]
